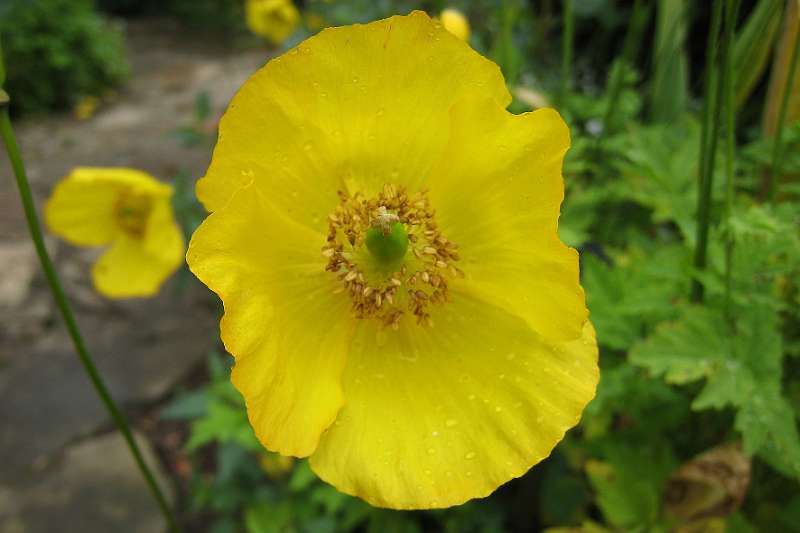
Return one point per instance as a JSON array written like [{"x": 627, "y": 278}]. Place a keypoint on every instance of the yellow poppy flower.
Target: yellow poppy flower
[
  {"x": 383, "y": 236},
  {"x": 274, "y": 20},
  {"x": 455, "y": 22},
  {"x": 131, "y": 212}
]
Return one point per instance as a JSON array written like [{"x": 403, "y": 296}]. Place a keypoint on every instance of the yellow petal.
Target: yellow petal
[
  {"x": 350, "y": 108},
  {"x": 497, "y": 192},
  {"x": 128, "y": 270},
  {"x": 437, "y": 416},
  {"x": 81, "y": 208},
  {"x": 282, "y": 323}
]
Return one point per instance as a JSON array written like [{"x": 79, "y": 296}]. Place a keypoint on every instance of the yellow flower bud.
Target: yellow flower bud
[{"x": 456, "y": 23}]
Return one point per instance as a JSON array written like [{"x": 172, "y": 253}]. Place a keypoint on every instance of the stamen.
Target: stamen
[{"x": 385, "y": 225}]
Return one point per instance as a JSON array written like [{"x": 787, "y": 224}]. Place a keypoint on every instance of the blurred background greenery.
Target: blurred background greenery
[{"x": 694, "y": 425}]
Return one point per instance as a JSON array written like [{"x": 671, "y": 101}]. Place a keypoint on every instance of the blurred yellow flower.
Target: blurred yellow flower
[
  {"x": 455, "y": 22},
  {"x": 128, "y": 210},
  {"x": 274, "y": 20},
  {"x": 314, "y": 21},
  {"x": 383, "y": 236},
  {"x": 275, "y": 466},
  {"x": 86, "y": 107}
]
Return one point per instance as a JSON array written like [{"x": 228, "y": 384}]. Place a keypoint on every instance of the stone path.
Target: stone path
[{"x": 61, "y": 463}]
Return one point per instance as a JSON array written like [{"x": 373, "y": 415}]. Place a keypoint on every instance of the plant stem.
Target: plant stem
[
  {"x": 566, "y": 49},
  {"x": 708, "y": 148},
  {"x": 777, "y": 148},
  {"x": 731, "y": 14},
  {"x": 7, "y": 133},
  {"x": 617, "y": 72}
]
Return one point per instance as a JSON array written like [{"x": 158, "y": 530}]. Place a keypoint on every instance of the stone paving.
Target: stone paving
[{"x": 62, "y": 463}]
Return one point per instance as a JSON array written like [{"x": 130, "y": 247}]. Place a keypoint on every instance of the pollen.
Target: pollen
[{"x": 409, "y": 283}]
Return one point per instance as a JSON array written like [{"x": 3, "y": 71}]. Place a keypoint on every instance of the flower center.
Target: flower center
[
  {"x": 131, "y": 212},
  {"x": 387, "y": 239},
  {"x": 367, "y": 245}
]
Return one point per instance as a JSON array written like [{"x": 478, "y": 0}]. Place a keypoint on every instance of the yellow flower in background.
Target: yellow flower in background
[
  {"x": 86, "y": 107},
  {"x": 383, "y": 234},
  {"x": 314, "y": 21},
  {"x": 131, "y": 212},
  {"x": 275, "y": 466},
  {"x": 455, "y": 22},
  {"x": 274, "y": 20}
]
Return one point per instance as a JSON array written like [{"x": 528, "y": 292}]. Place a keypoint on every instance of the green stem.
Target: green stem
[
  {"x": 615, "y": 83},
  {"x": 7, "y": 133},
  {"x": 731, "y": 14},
  {"x": 777, "y": 148},
  {"x": 566, "y": 49},
  {"x": 708, "y": 148}
]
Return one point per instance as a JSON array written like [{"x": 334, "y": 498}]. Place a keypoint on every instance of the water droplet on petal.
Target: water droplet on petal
[{"x": 470, "y": 455}]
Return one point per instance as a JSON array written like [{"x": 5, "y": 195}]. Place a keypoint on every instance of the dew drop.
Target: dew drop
[
  {"x": 471, "y": 397},
  {"x": 431, "y": 451},
  {"x": 470, "y": 455}
]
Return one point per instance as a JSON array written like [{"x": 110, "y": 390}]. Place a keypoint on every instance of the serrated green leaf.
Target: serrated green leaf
[
  {"x": 767, "y": 425},
  {"x": 624, "y": 300},
  {"x": 629, "y": 485},
  {"x": 741, "y": 365}
]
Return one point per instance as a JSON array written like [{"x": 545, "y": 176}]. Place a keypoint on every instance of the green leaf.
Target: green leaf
[
  {"x": 741, "y": 365},
  {"x": 752, "y": 47},
  {"x": 224, "y": 423},
  {"x": 267, "y": 517},
  {"x": 768, "y": 428},
  {"x": 302, "y": 477},
  {"x": 629, "y": 485},
  {"x": 659, "y": 164},
  {"x": 669, "y": 86},
  {"x": 625, "y": 299},
  {"x": 186, "y": 406}
]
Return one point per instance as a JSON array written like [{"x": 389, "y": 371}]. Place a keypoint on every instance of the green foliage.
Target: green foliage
[
  {"x": 226, "y": 15},
  {"x": 57, "y": 52},
  {"x": 670, "y": 84},
  {"x": 243, "y": 495},
  {"x": 753, "y": 44}
]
